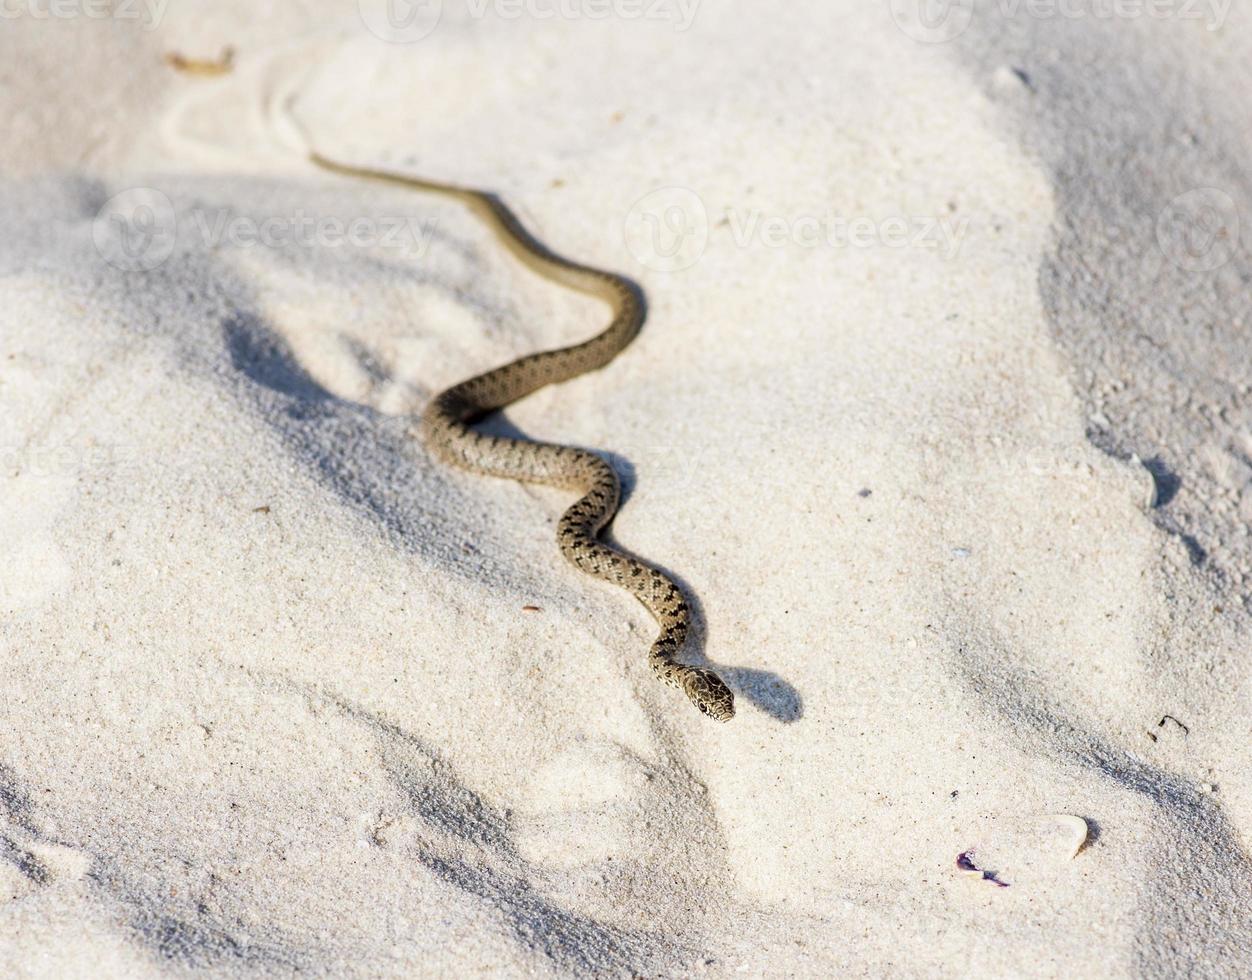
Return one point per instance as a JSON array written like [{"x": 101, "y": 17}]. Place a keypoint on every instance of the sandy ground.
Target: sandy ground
[{"x": 941, "y": 413}]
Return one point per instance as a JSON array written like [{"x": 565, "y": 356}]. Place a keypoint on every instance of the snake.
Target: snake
[{"x": 447, "y": 429}]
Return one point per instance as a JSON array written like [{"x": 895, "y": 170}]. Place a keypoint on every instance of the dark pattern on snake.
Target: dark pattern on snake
[{"x": 446, "y": 429}]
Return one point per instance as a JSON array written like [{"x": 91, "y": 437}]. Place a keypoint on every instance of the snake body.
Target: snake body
[{"x": 446, "y": 428}]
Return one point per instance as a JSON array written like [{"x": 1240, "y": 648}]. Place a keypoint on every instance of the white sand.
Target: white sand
[{"x": 272, "y": 701}]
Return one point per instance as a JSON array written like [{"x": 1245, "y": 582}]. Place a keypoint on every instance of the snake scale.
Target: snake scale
[{"x": 446, "y": 428}]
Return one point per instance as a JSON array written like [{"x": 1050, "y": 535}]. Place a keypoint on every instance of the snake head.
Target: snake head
[{"x": 709, "y": 693}]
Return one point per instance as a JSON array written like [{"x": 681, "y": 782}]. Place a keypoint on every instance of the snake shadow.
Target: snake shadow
[{"x": 764, "y": 689}]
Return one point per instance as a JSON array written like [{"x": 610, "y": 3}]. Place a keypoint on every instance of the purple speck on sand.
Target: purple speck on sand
[{"x": 965, "y": 862}]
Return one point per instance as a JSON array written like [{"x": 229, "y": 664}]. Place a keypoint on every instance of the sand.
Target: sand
[{"x": 941, "y": 414}]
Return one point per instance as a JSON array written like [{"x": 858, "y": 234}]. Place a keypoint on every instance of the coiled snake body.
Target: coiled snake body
[{"x": 446, "y": 430}]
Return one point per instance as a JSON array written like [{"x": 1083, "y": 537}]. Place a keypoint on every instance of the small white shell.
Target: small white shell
[{"x": 1073, "y": 832}]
